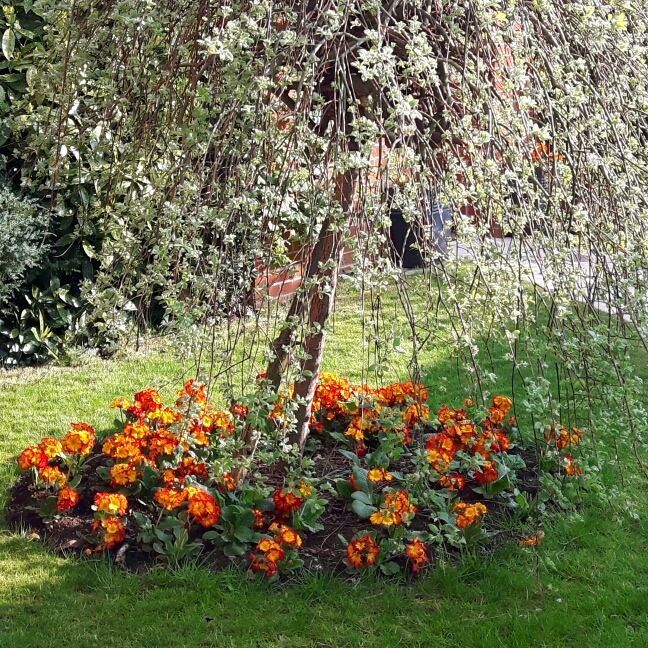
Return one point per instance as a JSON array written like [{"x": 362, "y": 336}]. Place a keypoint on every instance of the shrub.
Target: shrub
[{"x": 23, "y": 240}]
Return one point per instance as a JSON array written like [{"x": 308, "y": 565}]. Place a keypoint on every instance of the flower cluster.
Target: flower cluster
[
  {"x": 362, "y": 551},
  {"x": 459, "y": 433},
  {"x": 417, "y": 554},
  {"x": 110, "y": 530},
  {"x": 468, "y": 514},
  {"x": 286, "y": 501},
  {"x": 271, "y": 552},
  {"x": 560, "y": 439},
  {"x": 395, "y": 509},
  {"x": 47, "y": 458}
]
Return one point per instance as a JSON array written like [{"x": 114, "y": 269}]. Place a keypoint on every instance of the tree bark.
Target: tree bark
[
  {"x": 281, "y": 343},
  {"x": 321, "y": 305}
]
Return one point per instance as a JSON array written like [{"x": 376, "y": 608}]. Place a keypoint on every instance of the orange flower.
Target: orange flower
[
  {"x": 169, "y": 498},
  {"x": 165, "y": 416},
  {"x": 468, "y": 514},
  {"x": 570, "y": 466},
  {"x": 394, "y": 510},
  {"x": 487, "y": 474},
  {"x": 287, "y": 502},
  {"x": 203, "y": 508},
  {"x": 196, "y": 394},
  {"x": 415, "y": 413},
  {"x": 190, "y": 467},
  {"x": 163, "y": 442},
  {"x": 445, "y": 415},
  {"x": 167, "y": 476},
  {"x": 468, "y": 402},
  {"x": 533, "y": 541},
  {"x": 379, "y": 474},
  {"x": 121, "y": 447},
  {"x": 227, "y": 482},
  {"x": 500, "y": 443},
  {"x": 52, "y": 475},
  {"x": 67, "y": 498},
  {"x": 362, "y": 551},
  {"x": 79, "y": 440},
  {"x": 145, "y": 402},
  {"x": 452, "y": 482},
  {"x": 32, "y": 456},
  {"x": 137, "y": 431},
  {"x": 111, "y": 529},
  {"x": 122, "y": 474},
  {"x": 287, "y": 536},
  {"x": 120, "y": 403},
  {"x": 441, "y": 449},
  {"x": 113, "y": 503},
  {"x": 51, "y": 447},
  {"x": 502, "y": 403},
  {"x": 258, "y": 519},
  {"x": 416, "y": 552}
]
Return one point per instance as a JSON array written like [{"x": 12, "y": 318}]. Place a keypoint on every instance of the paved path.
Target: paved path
[{"x": 580, "y": 276}]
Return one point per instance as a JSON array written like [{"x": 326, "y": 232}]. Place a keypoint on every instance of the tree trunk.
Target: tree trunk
[
  {"x": 282, "y": 342},
  {"x": 321, "y": 305}
]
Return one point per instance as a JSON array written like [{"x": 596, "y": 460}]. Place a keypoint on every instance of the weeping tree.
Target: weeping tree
[{"x": 217, "y": 141}]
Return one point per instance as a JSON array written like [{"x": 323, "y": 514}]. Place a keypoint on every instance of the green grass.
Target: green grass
[{"x": 587, "y": 585}]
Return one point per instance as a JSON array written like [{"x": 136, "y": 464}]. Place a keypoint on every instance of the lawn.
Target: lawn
[{"x": 586, "y": 585}]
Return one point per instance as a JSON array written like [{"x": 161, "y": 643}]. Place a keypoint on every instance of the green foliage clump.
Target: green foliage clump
[{"x": 23, "y": 240}]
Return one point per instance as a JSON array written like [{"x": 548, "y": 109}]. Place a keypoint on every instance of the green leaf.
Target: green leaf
[
  {"x": 245, "y": 518},
  {"x": 234, "y": 549},
  {"x": 31, "y": 76},
  {"x": 360, "y": 479},
  {"x": 362, "y": 509},
  {"x": 390, "y": 568},
  {"x": 344, "y": 488},
  {"x": 8, "y": 43},
  {"x": 244, "y": 534},
  {"x": 350, "y": 455},
  {"x": 361, "y": 496},
  {"x": 211, "y": 535},
  {"x": 104, "y": 473},
  {"x": 162, "y": 536}
]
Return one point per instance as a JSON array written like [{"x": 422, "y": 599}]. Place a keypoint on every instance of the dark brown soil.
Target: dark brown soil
[{"x": 321, "y": 551}]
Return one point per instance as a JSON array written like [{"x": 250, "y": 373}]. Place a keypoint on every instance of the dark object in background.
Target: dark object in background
[
  {"x": 403, "y": 239},
  {"x": 404, "y": 236}
]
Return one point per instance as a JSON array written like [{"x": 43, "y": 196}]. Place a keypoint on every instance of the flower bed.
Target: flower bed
[{"x": 382, "y": 485}]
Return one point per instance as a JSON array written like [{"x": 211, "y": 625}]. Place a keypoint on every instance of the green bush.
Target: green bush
[{"x": 23, "y": 240}]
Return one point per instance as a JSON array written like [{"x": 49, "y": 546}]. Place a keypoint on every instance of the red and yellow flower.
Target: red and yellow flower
[
  {"x": 487, "y": 474},
  {"x": 52, "y": 475},
  {"x": 286, "y": 501},
  {"x": 50, "y": 446},
  {"x": 417, "y": 553},
  {"x": 67, "y": 498},
  {"x": 468, "y": 514},
  {"x": 32, "y": 456},
  {"x": 394, "y": 510},
  {"x": 123, "y": 474},
  {"x": 570, "y": 466},
  {"x": 170, "y": 498},
  {"x": 362, "y": 551},
  {"x": 202, "y": 507},
  {"x": 111, "y": 530},
  {"x": 111, "y": 503},
  {"x": 79, "y": 440}
]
